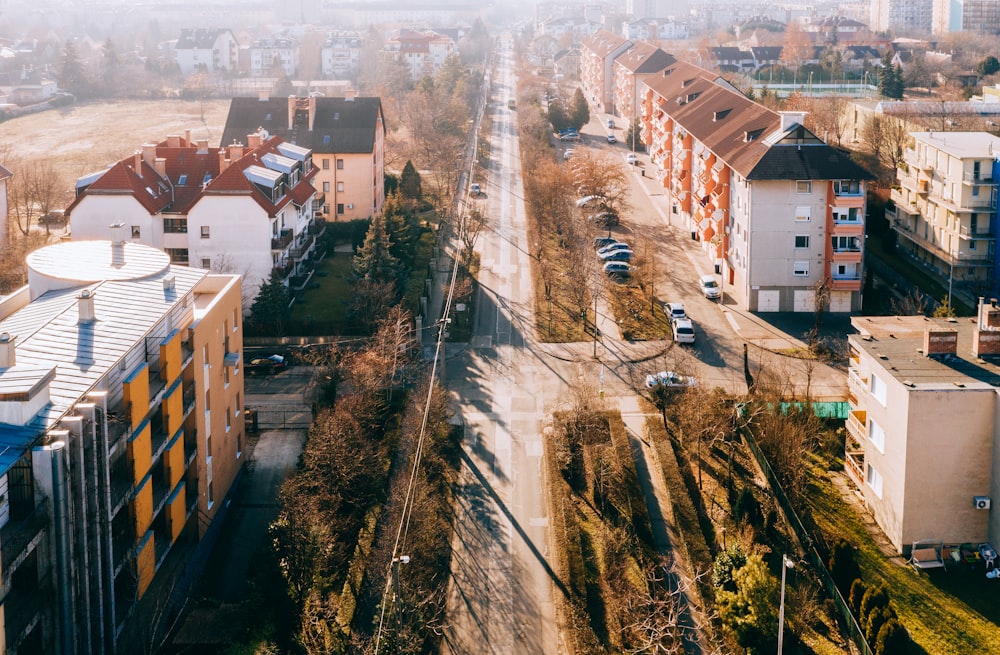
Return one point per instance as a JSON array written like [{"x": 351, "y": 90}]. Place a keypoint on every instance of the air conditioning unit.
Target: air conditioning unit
[
  {"x": 981, "y": 502},
  {"x": 350, "y": 206}
]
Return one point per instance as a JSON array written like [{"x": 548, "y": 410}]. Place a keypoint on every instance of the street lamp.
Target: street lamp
[{"x": 786, "y": 564}]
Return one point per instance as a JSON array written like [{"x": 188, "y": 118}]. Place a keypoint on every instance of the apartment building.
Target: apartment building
[
  {"x": 345, "y": 135},
  {"x": 641, "y": 61},
  {"x": 208, "y": 50},
  {"x": 923, "y": 429},
  {"x": 246, "y": 209},
  {"x": 270, "y": 55},
  {"x": 122, "y": 432},
  {"x": 971, "y": 15},
  {"x": 779, "y": 213},
  {"x": 423, "y": 53},
  {"x": 945, "y": 205},
  {"x": 598, "y": 53},
  {"x": 902, "y": 17},
  {"x": 341, "y": 54}
]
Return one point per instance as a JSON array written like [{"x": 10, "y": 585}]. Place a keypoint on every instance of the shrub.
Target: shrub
[
  {"x": 747, "y": 508},
  {"x": 893, "y": 639},
  {"x": 726, "y": 564},
  {"x": 878, "y": 617},
  {"x": 843, "y": 565},
  {"x": 874, "y": 598},
  {"x": 858, "y": 591}
]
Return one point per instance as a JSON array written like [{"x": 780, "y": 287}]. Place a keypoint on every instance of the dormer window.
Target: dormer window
[
  {"x": 753, "y": 135},
  {"x": 719, "y": 115},
  {"x": 182, "y": 180}
]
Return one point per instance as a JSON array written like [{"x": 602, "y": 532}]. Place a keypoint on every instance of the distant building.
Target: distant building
[
  {"x": 341, "y": 54},
  {"x": 208, "y": 50},
  {"x": 269, "y": 55},
  {"x": 945, "y": 205},
  {"x": 902, "y": 16},
  {"x": 597, "y": 67},
  {"x": 966, "y": 15},
  {"x": 346, "y": 137},
  {"x": 423, "y": 53},
  {"x": 121, "y": 421},
  {"x": 247, "y": 208},
  {"x": 640, "y": 62}
]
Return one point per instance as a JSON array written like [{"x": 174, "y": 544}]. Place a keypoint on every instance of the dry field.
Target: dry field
[{"x": 87, "y": 137}]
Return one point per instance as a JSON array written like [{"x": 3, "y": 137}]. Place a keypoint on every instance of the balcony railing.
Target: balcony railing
[
  {"x": 969, "y": 233},
  {"x": 854, "y": 465},
  {"x": 317, "y": 227},
  {"x": 283, "y": 271},
  {"x": 857, "y": 424},
  {"x": 300, "y": 250},
  {"x": 845, "y": 277},
  {"x": 979, "y": 180},
  {"x": 282, "y": 241}
]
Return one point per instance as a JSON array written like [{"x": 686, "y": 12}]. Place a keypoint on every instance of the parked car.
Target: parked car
[
  {"x": 683, "y": 330},
  {"x": 670, "y": 379},
  {"x": 600, "y": 242},
  {"x": 591, "y": 201},
  {"x": 569, "y": 153},
  {"x": 612, "y": 138},
  {"x": 614, "y": 245},
  {"x": 475, "y": 189},
  {"x": 611, "y": 123},
  {"x": 606, "y": 218},
  {"x": 709, "y": 287},
  {"x": 674, "y": 310},
  {"x": 618, "y": 271},
  {"x": 631, "y": 159},
  {"x": 269, "y": 365},
  {"x": 616, "y": 256}
]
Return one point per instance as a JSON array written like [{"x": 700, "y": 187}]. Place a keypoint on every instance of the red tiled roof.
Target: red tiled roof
[{"x": 603, "y": 43}]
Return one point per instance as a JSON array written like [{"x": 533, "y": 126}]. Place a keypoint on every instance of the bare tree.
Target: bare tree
[
  {"x": 475, "y": 223},
  {"x": 32, "y": 193}
]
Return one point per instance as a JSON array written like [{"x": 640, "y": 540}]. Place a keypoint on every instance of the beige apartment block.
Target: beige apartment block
[
  {"x": 923, "y": 425},
  {"x": 598, "y": 53},
  {"x": 944, "y": 205}
]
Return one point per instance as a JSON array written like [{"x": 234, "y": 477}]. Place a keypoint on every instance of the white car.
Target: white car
[
  {"x": 591, "y": 201},
  {"x": 674, "y": 310},
  {"x": 709, "y": 287},
  {"x": 631, "y": 159},
  {"x": 611, "y": 247},
  {"x": 611, "y": 123},
  {"x": 683, "y": 330},
  {"x": 569, "y": 153},
  {"x": 670, "y": 379}
]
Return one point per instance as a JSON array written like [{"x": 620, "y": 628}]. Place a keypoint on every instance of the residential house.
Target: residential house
[
  {"x": 729, "y": 59},
  {"x": 423, "y": 53},
  {"x": 245, "y": 208},
  {"x": 597, "y": 59},
  {"x": 922, "y": 429},
  {"x": 346, "y": 137},
  {"x": 566, "y": 63},
  {"x": 341, "y": 54},
  {"x": 121, "y": 422},
  {"x": 779, "y": 213},
  {"x": 558, "y": 26},
  {"x": 765, "y": 55},
  {"x": 209, "y": 50},
  {"x": 837, "y": 30},
  {"x": 945, "y": 205},
  {"x": 641, "y": 61},
  {"x": 857, "y": 58},
  {"x": 655, "y": 29},
  {"x": 270, "y": 55}
]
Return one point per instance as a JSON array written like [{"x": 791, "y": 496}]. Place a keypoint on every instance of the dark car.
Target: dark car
[{"x": 270, "y": 365}]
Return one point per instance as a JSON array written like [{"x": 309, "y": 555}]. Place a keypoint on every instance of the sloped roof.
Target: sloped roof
[
  {"x": 644, "y": 58},
  {"x": 4, "y": 173},
  {"x": 729, "y": 52},
  {"x": 341, "y": 125},
  {"x": 603, "y": 42},
  {"x": 198, "y": 38},
  {"x": 766, "y": 51}
]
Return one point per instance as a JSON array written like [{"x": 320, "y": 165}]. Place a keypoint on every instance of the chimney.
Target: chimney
[
  {"x": 312, "y": 112},
  {"x": 148, "y": 153},
  {"x": 235, "y": 151},
  {"x": 292, "y": 100},
  {"x": 986, "y": 337},
  {"x": 223, "y": 162},
  {"x": 263, "y": 96},
  {"x": 940, "y": 341},
  {"x": 169, "y": 283},
  {"x": 7, "y": 350},
  {"x": 137, "y": 163},
  {"x": 202, "y": 146},
  {"x": 790, "y": 118},
  {"x": 117, "y": 234},
  {"x": 160, "y": 164},
  {"x": 253, "y": 141},
  {"x": 187, "y": 138},
  {"x": 86, "y": 306},
  {"x": 173, "y": 141}
]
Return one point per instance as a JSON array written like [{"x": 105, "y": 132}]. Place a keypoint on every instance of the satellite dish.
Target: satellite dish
[{"x": 264, "y": 135}]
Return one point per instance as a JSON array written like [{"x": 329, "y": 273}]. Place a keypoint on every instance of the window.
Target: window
[
  {"x": 874, "y": 480},
  {"x": 879, "y": 390},
  {"x": 340, "y": 187},
  {"x": 206, "y": 262},
  {"x": 847, "y": 187},
  {"x": 135, "y": 232},
  {"x": 803, "y": 213},
  {"x": 326, "y": 164},
  {"x": 177, "y": 255},
  {"x": 846, "y": 243},
  {"x": 182, "y": 180},
  {"x": 340, "y": 164},
  {"x": 803, "y": 186},
  {"x": 326, "y": 187},
  {"x": 801, "y": 240},
  {"x": 206, "y": 231},
  {"x": 326, "y": 209},
  {"x": 340, "y": 208},
  {"x": 800, "y": 269},
  {"x": 229, "y": 419},
  {"x": 175, "y": 226},
  {"x": 876, "y": 435}
]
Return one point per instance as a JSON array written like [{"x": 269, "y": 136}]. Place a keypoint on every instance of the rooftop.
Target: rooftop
[{"x": 961, "y": 144}]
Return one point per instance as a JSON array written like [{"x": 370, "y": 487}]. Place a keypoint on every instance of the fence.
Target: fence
[
  {"x": 267, "y": 418},
  {"x": 854, "y": 632}
]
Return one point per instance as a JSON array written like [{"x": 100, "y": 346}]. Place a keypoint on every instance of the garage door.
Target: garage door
[
  {"x": 840, "y": 301},
  {"x": 767, "y": 301},
  {"x": 805, "y": 301}
]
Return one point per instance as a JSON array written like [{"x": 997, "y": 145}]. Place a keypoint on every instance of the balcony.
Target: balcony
[
  {"x": 977, "y": 234},
  {"x": 857, "y": 424},
  {"x": 283, "y": 240},
  {"x": 977, "y": 180},
  {"x": 300, "y": 250},
  {"x": 854, "y": 464},
  {"x": 317, "y": 227},
  {"x": 282, "y": 272}
]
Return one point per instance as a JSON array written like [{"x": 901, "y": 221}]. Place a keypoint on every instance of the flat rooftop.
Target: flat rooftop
[{"x": 897, "y": 343}]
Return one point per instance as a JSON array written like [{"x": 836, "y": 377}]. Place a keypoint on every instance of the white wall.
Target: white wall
[
  {"x": 95, "y": 213},
  {"x": 240, "y": 236}
]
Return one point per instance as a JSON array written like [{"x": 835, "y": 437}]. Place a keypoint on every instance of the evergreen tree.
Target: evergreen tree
[
  {"x": 988, "y": 66},
  {"x": 409, "y": 182},
  {"x": 109, "y": 68},
  {"x": 72, "y": 77},
  {"x": 374, "y": 260},
  {"x": 557, "y": 116},
  {"x": 579, "y": 111},
  {"x": 401, "y": 227},
  {"x": 270, "y": 308},
  {"x": 633, "y": 137}
]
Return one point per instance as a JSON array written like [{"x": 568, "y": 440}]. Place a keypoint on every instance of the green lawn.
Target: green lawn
[
  {"x": 331, "y": 300},
  {"x": 954, "y": 611}
]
